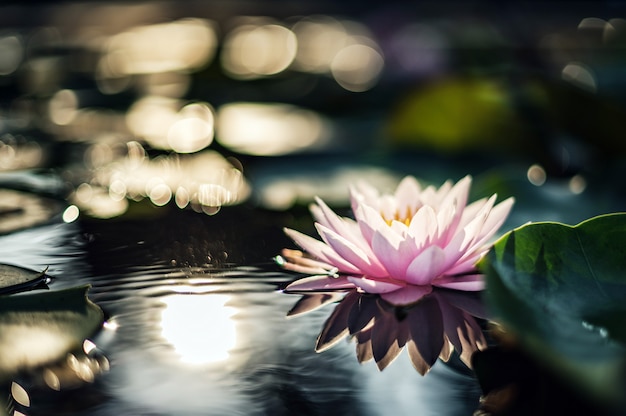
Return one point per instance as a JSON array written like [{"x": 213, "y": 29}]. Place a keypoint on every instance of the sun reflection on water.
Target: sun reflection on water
[
  {"x": 205, "y": 181},
  {"x": 270, "y": 129},
  {"x": 172, "y": 46},
  {"x": 167, "y": 123},
  {"x": 199, "y": 327}
]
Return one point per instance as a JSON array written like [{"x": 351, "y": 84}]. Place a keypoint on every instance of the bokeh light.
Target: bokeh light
[
  {"x": 71, "y": 214},
  {"x": 11, "y": 53},
  {"x": 75, "y": 370},
  {"x": 577, "y": 184},
  {"x": 320, "y": 38},
  {"x": 270, "y": 129},
  {"x": 185, "y": 44},
  {"x": 205, "y": 181},
  {"x": 155, "y": 58},
  {"x": 167, "y": 123},
  {"x": 63, "y": 107},
  {"x": 193, "y": 130},
  {"x": 579, "y": 75},
  {"x": 150, "y": 118},
  {"x": 19, "y": 153},
  {"x": 357, "y": 67},
  {"x": 536, "y": 175},
  {"x": 258, "y": 49},
  {"x": 344, "y": 49},
  {"x": 97, "y": 202}
]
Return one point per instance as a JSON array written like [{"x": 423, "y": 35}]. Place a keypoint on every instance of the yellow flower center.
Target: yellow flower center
[{"x": 397, "y": 216}]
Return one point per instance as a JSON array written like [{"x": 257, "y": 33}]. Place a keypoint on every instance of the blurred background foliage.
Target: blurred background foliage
[
  {"x": 116, "y": 110},
  {"x": 101, "y": 92}
]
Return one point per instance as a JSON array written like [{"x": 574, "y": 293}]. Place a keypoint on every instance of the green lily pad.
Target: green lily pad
[
  {"x": 17, "y": 279},
  {"x": 41, "y": 327},
  {"x": 561, "y": 292}
]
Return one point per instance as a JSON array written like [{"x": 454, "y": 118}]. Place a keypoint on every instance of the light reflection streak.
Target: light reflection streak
[
  {"x": 179, "y": 45},
  {"x": 199, "y": 327},
  {"x": 19, "y": 153},
  {"x": 166, "y": 123},
  {"x": 270, "y": 129},
  {"x": 97, "y": 202},
  {"x": 204, "y": 180},
  {"x": 155, "y": 58}
]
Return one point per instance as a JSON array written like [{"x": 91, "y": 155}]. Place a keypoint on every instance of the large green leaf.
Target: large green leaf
[
  {"x": 40, "y": 328},
  {"x": 561, "y": 291}
]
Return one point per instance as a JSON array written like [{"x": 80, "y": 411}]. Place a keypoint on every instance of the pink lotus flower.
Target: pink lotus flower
[{"x": 400, "y": 245}]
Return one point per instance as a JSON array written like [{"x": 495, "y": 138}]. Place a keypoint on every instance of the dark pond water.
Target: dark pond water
[
  {"x": 189, "y": 335},
  {"x": 197, "y": 322}
]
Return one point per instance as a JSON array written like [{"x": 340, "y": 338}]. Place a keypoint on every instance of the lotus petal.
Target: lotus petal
[{"x": 319, "y": 283}]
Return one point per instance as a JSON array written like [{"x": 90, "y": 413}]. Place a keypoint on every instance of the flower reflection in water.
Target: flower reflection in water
[
  {"x": 199, "y": 327},
  {"x": 440, "y": 323}
]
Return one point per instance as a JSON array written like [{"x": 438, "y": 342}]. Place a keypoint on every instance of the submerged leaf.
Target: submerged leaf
[
  {"x": 561, "y": 290},
  {"x": 40, "y": 328}
]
